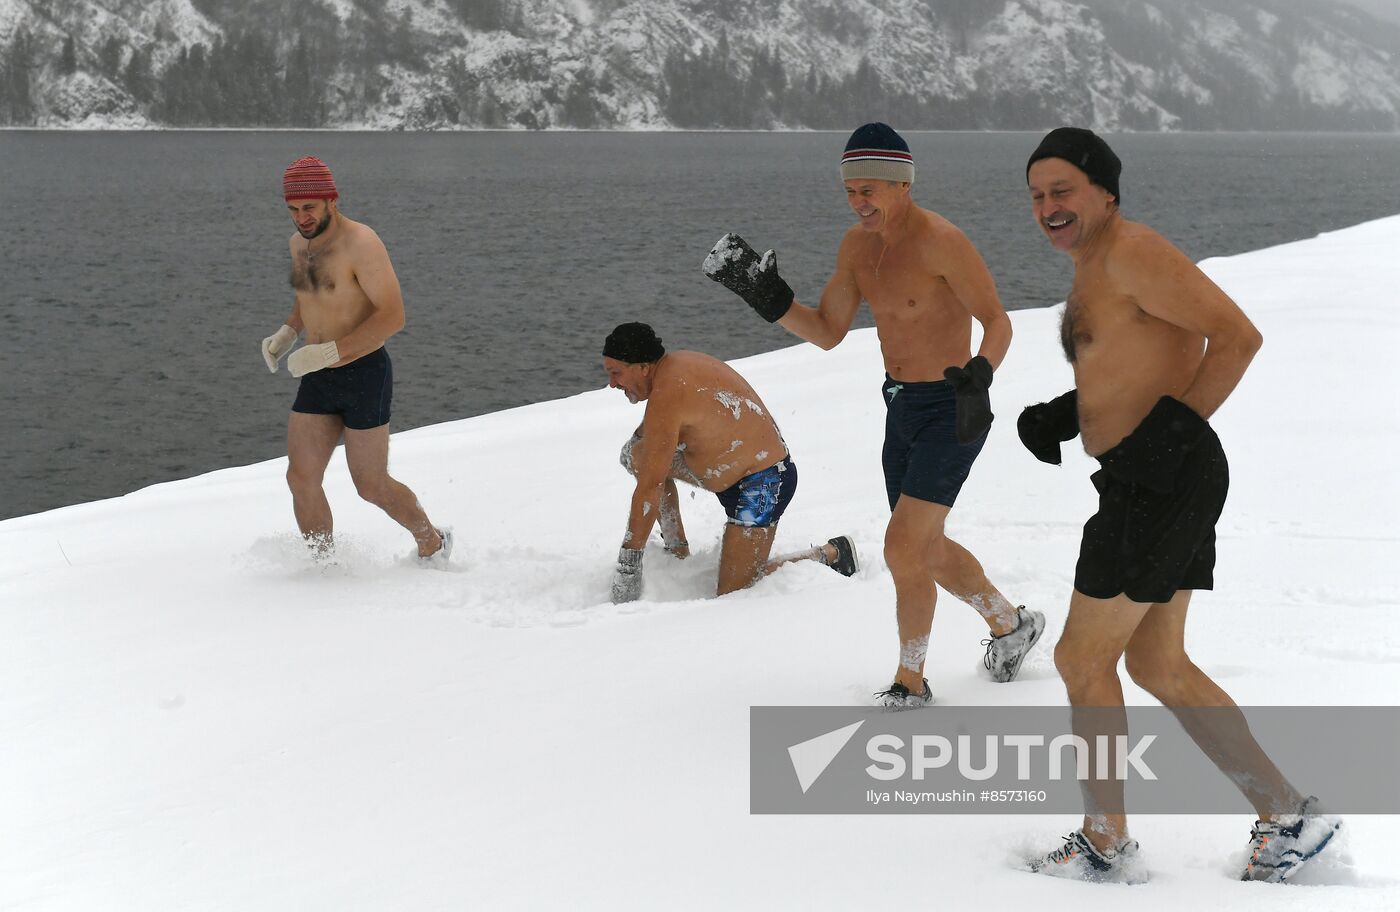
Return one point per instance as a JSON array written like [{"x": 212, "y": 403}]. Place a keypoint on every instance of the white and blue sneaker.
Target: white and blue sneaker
[
  {"x": 1078, "y": 859},
  {"x": 1279, "y": 848},
  {"x": 1005, "y": 653}
]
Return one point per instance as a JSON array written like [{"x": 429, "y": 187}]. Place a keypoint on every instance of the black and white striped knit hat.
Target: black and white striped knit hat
[{"x": 875, "y": 151}]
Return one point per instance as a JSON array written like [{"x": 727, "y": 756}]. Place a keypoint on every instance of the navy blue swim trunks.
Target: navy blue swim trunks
[
  {"x": 922, "y": 456},
  {"x": 758, "y": 500},
  {"x": 359, "y": 392}
]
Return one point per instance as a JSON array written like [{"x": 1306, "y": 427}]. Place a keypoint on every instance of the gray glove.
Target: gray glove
[{"x": 627, "y": 578}]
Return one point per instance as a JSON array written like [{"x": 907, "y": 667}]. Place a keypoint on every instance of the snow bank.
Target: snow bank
[{"x": 194, "y": 717}]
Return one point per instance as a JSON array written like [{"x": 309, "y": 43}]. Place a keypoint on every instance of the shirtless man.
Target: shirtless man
[
  {"x": 1156, "y": 348},
  {"x": 347, "y": 302},
  {"x": 705, "y": 426},
  {"x": 925, "y": 284}
]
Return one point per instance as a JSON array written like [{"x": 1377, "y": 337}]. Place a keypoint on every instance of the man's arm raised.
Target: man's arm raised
[
  {"x": 827, "y": 324},
  {"x": 736, "y": 266}
]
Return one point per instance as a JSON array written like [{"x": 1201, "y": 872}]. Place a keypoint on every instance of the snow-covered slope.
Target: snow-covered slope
[{"x": 193, "y": 717}]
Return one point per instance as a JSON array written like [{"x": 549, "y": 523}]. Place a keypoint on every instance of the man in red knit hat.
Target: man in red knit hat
[{"x": 347, "y": 303}]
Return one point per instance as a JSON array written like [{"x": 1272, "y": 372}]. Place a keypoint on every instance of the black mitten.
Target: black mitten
[
  {"x": 974, "y": 405},
  {"x": 1152, "y": 454},
  {"x": 1044, "y": 425},
  {"x": 735, "y": 265}
]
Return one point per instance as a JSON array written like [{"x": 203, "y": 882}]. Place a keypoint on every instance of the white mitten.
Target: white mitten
[
  {"x": 310, "y": 358},
  {"x": 277, "y": 345}
]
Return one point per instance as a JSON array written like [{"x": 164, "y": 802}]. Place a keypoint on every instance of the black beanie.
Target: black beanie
[
  {"x": 1085, "y": 150},
  {"x": 633, "y": 343}
]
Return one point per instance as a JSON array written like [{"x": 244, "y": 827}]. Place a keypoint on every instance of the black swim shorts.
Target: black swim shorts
[
  {"x": 922, "y": 456},
  {"x": 759, "y": 500},
  {"x": 1149, "y": 545},
  {"x": 359, "y": 392}
]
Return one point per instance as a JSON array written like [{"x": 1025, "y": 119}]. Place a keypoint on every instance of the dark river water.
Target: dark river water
[{"x": 140, "y": 271}]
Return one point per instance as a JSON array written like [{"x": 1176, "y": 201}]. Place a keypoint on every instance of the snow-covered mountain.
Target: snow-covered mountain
[{"x": 429, "y": 64}]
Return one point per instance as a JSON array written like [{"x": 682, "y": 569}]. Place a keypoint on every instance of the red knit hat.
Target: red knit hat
[{"x": 308, "y": 178}]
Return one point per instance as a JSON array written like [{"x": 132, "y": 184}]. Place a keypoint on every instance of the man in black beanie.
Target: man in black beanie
[
  {"x": 925, "y": 284},
  {"x": 705, "y": 426},
  {"x": 1156, "y": 348}
]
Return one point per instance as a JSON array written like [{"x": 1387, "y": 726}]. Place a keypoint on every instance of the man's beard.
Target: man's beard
[{"x": 321, "y": 226}]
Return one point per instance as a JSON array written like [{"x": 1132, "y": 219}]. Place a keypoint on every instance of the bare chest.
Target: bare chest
[
  {"x": 1097, "y": 316},
  {"x": 900, "y": 287},
  {"x": 317, "y": 272}
]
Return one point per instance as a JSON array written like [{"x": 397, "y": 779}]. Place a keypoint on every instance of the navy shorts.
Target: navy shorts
[
  {"x": 758, "y": 500},
  {"x": 359, "y": 392},
  {"x": 922, "y": 456},
  {"x": 1148, "y": 545}
]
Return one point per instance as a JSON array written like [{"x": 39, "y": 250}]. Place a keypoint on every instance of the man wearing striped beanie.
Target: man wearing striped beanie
[
  {"x": 925, "y": 284},
  {"x": 348, "y": 303}
]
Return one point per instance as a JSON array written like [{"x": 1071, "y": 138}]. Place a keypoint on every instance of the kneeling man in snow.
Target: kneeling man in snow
[{"x": 704, "y": 426}]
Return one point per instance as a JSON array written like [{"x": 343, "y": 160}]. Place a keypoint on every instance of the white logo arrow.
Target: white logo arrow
[{"x": 811, "y": 758}]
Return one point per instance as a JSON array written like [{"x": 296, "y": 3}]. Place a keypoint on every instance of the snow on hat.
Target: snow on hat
[
  {"x": 877, "y": 152},
  {"x": 1084, "y": 149},
  {"x": 633, "y": 343},
  {"x": 308, "y": 178}
]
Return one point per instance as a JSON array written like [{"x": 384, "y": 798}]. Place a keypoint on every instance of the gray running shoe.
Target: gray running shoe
[
  {"x": 440, "y": 557},
  {"x": 1278, "y": 848},
  {"x": 846, "y": 563},
  {"x": 1006, "y": 652},
  {"x": 899, "y": 698},
  {"x": 1078, "y": 859}
]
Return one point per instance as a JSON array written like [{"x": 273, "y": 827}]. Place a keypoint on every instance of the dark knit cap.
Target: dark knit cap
[
  {"x": 1085, "y": 150},
  {"x": 633, "y": 343},
  {"x": 875, "y": 151}
]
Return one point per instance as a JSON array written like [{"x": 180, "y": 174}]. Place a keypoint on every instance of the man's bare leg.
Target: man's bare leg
[
  {"x": 913, "y": 528},
  {"x": 1157, "y": 661},
  {"x": 367, "y": 455},
  {"x": 311, "y": 440},
  {"x": 1096, "y": 633},
  {"x": 961, "y": 575},
  {"x": 822, "y": 554},
  {"x": 743, "y": 555}
]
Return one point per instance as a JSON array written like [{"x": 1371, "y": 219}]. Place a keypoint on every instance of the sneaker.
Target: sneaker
[
  {"x": 1078, "y": 859},
  {"x": 1006, "y": 652},
  {"x": 846, "y": 563},
  {"x": 899, "y": 698},
  {"x": 444, "y": 551},
  {"x": 1278, "y": 848}
]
